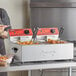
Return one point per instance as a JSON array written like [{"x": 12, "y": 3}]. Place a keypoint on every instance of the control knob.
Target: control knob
[
  {"x": 52, "y": 30},
  {"x": 26, "y": 31}
]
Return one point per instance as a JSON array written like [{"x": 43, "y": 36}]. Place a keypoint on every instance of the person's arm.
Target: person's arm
[
  {"x": 5, "y": 21},
  {"x": 1, "y": 28},
  {"x": 3, "y": 34}
]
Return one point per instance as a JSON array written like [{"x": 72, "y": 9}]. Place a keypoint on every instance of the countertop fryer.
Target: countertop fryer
[{"x": 44, "y": 47}]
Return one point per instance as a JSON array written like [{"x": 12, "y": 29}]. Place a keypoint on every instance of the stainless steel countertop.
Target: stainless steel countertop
[{"x": 38, "y": 65}]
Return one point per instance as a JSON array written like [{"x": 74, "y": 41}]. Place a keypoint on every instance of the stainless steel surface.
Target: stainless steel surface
[
  {"x": 70, "y": 71},
  {"x": 42, "y": 52},
  {"x": 16, "y": 51},
  {"x": 35, "y": 30},
  {"x": 54, "y": 17},
  {"x": 53, "y": 5},
  {"x": 37, "y": 66},
  {"x": 53, "y": 0}
]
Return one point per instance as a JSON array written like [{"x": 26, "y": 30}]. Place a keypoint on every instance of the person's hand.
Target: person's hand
[
  {"x": 1, "y": 28},
  {"x": 4, "y": 34}
]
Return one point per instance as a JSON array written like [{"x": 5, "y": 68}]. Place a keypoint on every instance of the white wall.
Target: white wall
[{"x": 16, "y": 10}]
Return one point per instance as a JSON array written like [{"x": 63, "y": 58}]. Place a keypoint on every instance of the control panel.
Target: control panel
[
  {"x": 44, "y": 34},
  {"x": 48, "y": 31},
  {"x": 20, "y": 32}
]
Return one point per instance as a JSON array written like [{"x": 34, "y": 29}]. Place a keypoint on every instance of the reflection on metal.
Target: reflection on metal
[{"x": 53, "y": 5}]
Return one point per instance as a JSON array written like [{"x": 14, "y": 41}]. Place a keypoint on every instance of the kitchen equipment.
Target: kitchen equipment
[
  {"x": 48, "y": 33},
  {"x": 20, "y": 34},
  {"x": 42, "y": 51}
]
